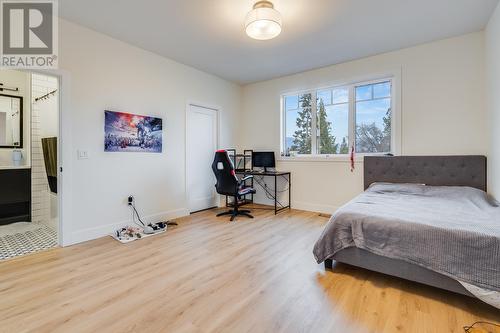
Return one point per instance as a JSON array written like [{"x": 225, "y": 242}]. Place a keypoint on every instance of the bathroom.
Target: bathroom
[{"x": 29, "y": 132}]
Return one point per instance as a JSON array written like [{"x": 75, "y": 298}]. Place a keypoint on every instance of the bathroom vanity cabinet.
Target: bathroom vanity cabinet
[{"x": 15, "y": 195}]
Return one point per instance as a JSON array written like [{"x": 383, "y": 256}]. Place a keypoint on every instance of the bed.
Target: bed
[{"x": 410, "y": 205}]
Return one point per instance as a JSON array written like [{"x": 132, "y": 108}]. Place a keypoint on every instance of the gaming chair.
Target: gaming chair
[{"x": 229, "y": 184}]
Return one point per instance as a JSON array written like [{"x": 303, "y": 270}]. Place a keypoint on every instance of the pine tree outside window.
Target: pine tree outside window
[
  {"x": 332, "y": 125},
  {"x": 358, "y": 115}
]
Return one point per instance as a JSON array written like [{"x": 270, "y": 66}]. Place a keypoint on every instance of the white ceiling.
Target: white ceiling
[{"x": 209, "y": 34}]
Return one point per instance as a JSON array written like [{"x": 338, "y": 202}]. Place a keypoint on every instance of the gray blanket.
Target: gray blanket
[{"x": 451, "y": 230}]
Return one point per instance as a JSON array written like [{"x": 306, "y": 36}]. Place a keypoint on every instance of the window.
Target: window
[
  {"x": 298, "y": 123},
  {"x": 358, "y": 115},
  {"x": 373, "y": 118}
]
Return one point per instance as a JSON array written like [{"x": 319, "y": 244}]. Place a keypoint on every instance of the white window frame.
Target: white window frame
[{"x": 394, "y": 76}]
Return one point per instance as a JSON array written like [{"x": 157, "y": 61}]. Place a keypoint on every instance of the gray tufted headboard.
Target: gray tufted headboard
[{"x": 429, "y": 170}]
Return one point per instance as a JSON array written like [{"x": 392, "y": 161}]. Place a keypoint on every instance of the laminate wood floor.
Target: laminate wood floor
[{"x": 210, "y": 275}]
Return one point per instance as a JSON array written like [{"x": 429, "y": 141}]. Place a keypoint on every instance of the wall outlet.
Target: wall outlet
[{"x": 130, "y": 200}]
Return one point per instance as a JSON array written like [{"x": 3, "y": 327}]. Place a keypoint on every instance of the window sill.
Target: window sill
[
  {"x": 320, "y": 158},
  {"x": 358, "y": 158}
]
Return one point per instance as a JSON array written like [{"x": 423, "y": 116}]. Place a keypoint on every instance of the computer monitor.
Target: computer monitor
[{"x": 263, "y": 159}]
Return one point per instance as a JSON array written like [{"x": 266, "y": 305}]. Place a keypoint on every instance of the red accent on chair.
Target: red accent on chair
[
  {"x": 220, "y": 151},
  {"x": 352, "y": 158}
]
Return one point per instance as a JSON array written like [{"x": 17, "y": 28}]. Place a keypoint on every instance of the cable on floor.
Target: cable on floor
[{"x": 470, "y": 328}]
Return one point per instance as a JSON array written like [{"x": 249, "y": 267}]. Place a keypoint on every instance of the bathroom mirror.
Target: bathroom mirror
[{"x": 11, "y": 121}]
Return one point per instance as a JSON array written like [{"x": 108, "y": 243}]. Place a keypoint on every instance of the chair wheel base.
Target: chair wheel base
[{"x": 235, "y": 212}]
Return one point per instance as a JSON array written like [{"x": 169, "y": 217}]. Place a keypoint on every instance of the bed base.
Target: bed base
[{"x": 395, "y": 267}]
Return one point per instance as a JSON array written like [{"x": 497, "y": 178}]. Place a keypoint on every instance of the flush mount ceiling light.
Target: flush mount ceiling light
[{"x": 263, "y": 22}]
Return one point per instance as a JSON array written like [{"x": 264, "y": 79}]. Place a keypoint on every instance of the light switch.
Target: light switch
[{"x": 83, "y": 154}]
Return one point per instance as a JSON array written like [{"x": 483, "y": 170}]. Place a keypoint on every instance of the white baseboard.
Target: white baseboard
[
  {"x": 312, "y": 207},
  {"x": 301, "y": 205},
  {"x": 104, "y": 230}
]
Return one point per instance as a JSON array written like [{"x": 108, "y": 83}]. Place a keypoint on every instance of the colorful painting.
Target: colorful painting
[{"x": 125, "y": 132}]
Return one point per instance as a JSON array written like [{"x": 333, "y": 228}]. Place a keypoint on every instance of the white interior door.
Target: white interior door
[{"x": 202, "y": 142}]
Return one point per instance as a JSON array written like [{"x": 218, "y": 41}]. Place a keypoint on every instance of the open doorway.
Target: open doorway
[{"x": 29, "y": 212}]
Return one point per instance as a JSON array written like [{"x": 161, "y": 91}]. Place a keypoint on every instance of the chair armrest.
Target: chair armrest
[{"x": 246, "y": 178}]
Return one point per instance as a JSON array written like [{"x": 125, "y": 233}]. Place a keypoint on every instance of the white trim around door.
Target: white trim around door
[{"x": 64, "y": 153}]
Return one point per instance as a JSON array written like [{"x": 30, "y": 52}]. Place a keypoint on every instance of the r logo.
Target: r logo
[{"x": 27, "y": 28}]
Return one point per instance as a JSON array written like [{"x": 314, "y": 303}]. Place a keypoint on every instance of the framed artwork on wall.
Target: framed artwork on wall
[{"x": 126, "y": 132}]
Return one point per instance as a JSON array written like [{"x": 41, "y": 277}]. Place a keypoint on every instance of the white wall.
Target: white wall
[
  {"x": 493, "y": 99},
  {"x": 21, "y": 80},
  {"x": 443, "y": 112},
  {"x": 107, "y": 74}
]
